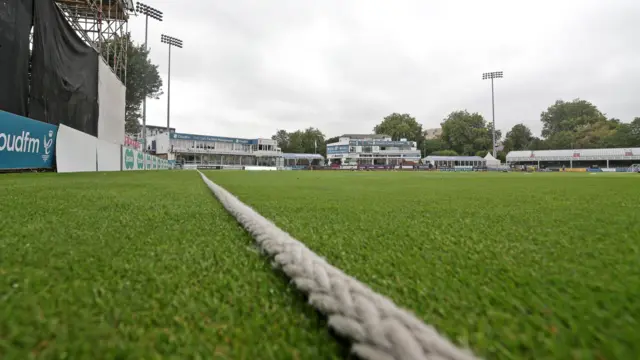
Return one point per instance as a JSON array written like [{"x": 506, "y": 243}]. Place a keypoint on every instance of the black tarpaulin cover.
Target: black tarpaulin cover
[
  {"x": 64, "y": 81},
  {"x": 15, "y": 25}
]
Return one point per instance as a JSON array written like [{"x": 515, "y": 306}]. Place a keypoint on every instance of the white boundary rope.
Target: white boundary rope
[{"x": 378, "y": 328}]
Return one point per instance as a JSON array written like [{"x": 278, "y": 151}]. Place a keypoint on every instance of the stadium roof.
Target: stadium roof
[
  {"x": 574, "y": 154},
  {"x": 301, "y": 156},
  {"x": 365, "y": 136},
  {"x": 455, "y": 158}
]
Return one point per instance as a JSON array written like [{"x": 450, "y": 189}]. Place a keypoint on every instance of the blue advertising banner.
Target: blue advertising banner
[
  {"x": 337, "y": 149},
  {"x": 179, "y": 136},
  {"x": 26, "y": 143},
  {"x": 379, "y": 143}
]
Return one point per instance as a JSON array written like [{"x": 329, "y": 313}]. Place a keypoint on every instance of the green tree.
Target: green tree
[
  {"x": 518, "y": 138},
  {"x": 314, "y": 141},
  {"x": 332, "y": 140},
  {"x": 635, "y": 126},
  {"x": 296, "y": 143},
  {"x": 467, "y": 133},
  {"x": 282, "y": 137},
  {"x": 569, "y": 117},
  {"x": 593, "y": 136},
  {"x": 538, "y": 144},
  {"x": 400, "y": 126},
  {"x": 444, "y": 153},
  {"x": 561, "y": 140},
  {"x": 143, "y": 80},
  {"x": 432, "y": 145},
  {"x": 308, "y": 141},
  {"x": 626, "y": 135}
]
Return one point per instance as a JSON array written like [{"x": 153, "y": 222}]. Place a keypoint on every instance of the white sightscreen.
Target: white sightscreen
[
  {"x": 111, "y": 100},
  {"x": 75, "y": 150},
  {"x": 108, "y": 156}
]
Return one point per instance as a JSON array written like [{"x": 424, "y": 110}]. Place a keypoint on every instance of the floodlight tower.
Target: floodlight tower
[
  {"x": 171, "y": 41},
  {"x": 493, "y": 75},
  {"x": 156, "y": 14}
]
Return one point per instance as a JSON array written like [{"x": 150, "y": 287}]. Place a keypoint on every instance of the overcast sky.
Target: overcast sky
[{"x": 250, "y": 67}]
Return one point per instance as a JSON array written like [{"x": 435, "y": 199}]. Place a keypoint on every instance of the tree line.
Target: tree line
[
  {"x": 576, "y": 124},
  {"x": 143, "y": 81}
]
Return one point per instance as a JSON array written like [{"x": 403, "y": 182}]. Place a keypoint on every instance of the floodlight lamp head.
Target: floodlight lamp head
[
  {"x": 492, "y": 75},
  {"x": 171, "y": 41},
  {"x": 149, "y": 11}
]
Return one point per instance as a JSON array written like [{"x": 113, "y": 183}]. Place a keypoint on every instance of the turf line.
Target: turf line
[{"x": 378, "y": 328}]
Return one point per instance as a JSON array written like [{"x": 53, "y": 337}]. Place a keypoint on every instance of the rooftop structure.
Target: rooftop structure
[
  {"x": 574, "y": 155},
  {"x": 153, "y": 130},
  {"x": 576, "y": 158},
  {"x": 366, "y": 136},
  {"x": 292, "y": 156}
]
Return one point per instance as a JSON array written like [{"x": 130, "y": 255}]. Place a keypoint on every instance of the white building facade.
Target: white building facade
[
  {"x": 353, "y": 150},
  {"x": 192, "y": 149},
  {"x": 576, "y": 158}
]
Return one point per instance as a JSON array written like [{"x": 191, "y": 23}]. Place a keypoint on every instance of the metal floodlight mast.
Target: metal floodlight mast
[
  {"x": 156, "y": 14},
  {"x": 171, "y": 41},
  {"x": 486, "y": 76}
]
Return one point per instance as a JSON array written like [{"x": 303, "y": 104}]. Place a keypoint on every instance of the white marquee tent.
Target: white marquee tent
[{"x": 491, "y": 161}]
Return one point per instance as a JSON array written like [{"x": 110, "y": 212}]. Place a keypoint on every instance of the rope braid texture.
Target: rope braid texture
[{"x": 378, "y": 329}]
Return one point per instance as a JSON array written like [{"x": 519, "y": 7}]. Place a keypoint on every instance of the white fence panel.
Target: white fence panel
[{"x": 75, "y": 151}]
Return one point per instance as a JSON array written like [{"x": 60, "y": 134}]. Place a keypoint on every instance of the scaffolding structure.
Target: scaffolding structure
[{"x": 103, "y": 24}]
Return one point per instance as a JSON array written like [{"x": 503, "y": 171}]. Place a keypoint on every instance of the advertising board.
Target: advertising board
[
  {"x": 210, "y": 167},
  {"x": 375, "y": 167},
  {"x": 25, "y": 143},
  {"x": 129, "y": 142},
  {"x": 222, "y": 139},
  {"x": 135, "y": 160},
  {"x": 379, "y": 143},
  {"x": 337, "y": 149},
  {"x": 128, "y": 159},
  {"x": 260, "y": 168}
]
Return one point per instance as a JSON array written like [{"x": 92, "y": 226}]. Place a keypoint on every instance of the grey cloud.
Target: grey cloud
[{"x": 257, "y": 66}]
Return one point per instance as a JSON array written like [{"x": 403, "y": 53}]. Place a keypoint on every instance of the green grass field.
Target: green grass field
[
  {"x": 149, "y": 265},
  {"x": 140, "y": 266},
  {"x": 512, "y": 265}
]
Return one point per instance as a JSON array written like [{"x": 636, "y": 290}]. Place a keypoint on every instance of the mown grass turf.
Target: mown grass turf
[
  {"x": 140, "y": 266},
  {"x": 513, "y": 265}
]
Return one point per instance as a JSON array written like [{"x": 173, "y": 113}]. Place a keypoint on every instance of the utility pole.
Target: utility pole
[{"x": 493, "y": 75}]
